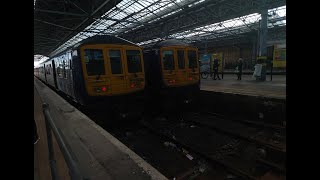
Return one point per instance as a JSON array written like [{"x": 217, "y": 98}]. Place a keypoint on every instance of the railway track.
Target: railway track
[
  {"x": 228, "y": 155},
  {"x": 271, "y": 138},
  {"x": 247, "y": 122}
]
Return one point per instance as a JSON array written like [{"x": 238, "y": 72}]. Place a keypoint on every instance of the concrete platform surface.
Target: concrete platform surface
[
  {"x": 98, "y": 154},
  {"x": 247, "y": 86}
]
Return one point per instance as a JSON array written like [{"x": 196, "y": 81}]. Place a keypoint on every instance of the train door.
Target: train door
[
  {"x": 192, "y": 65},
  {"x": 116, "y": 68},
  {"x": 69, "y": 75},
  {"x": 54, "y": 74},
  {"x": 180, "y": 56},
  {"x": 168, "y": 66},
  {"x": 134, "y": 69}
]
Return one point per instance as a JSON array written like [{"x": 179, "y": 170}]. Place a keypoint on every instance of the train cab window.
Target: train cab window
[
  {"x": 134, "y": 61},
  {"x": 192, "y": 59},
  {"x": 115, "y": 61},
  {"x": 94, "y": 62},
  {"x": 168, "y": 60},
  {"x": 181, "y": 62}
]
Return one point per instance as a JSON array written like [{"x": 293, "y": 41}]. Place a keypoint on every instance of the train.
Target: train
[
  {"x": 102, "y": 69},
  {"x": 121, "y": 75},
  {"x": 172, "y": 74}
]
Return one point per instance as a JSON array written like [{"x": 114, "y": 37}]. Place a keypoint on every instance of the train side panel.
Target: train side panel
[{"x": 63, "y": 77}]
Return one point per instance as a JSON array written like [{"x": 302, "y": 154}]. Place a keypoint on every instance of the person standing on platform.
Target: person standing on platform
[
  {"x": 240, "y": 63},
  {"x": 215, "y": 69}
]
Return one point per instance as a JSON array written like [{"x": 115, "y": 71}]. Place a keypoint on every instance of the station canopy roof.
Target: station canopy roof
[{"x": 61, "y": 24}]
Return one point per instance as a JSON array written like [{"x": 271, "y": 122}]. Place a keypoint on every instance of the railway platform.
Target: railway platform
[
  {"x": 95, "y": 152},
  {"x": 248, "y": 86},
  {"x": 246, "y": 98}
]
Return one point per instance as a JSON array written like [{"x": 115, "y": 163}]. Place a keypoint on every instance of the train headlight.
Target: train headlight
[
  {"x": 123, "y": 115},
  {"x": 102, "y": 89}
]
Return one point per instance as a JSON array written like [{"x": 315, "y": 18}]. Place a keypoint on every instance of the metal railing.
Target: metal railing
[{"x": 73, "y": 168}]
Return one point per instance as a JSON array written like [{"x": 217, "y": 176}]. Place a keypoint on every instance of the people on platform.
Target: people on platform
[
  {"x": 215, "y": 69},
  {"x": 239, "y": 68}
]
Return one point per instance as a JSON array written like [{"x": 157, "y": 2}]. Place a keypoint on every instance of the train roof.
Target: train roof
[
  {"x": 97, "y": 39},
  {"x": 104, "y": 39}
]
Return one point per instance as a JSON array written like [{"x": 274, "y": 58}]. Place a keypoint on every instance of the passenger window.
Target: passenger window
[
  {"x": 192, "y": 59},
  {"x": 94, "y": 62},
  {"x": 168, "y": 60},
  {"x": 58, "y": 65},
  {"x": 115, "y": 61},
  {"x": 64, "y": 69},
  {"x": 61, "y": 67},
  {"x": 134, "y": 61},
  {"x": 181, "y": 62}
]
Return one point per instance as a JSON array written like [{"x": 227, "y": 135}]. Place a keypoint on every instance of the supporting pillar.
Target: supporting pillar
[{"x": 262, "y": 55}]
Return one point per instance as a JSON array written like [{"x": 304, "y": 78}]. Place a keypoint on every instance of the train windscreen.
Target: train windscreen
[
  {"x": 168, "y": 60},
  {"x": 94, "y": 62}
]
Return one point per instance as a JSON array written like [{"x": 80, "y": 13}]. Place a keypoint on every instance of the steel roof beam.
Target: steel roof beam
[
  {"x": 56, "y": 25},
  {"x": 59, "y": 12},
  {"x": 181, "y": 21},
  {"x": 80, "y": 25}
]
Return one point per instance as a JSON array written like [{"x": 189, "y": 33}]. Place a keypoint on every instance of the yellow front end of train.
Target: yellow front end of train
[
  {"x": 111, "y": 69},
  {"x": 180, "y": 65}
]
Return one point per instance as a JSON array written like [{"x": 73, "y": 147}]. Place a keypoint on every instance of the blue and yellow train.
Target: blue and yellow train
[
  {"x": 101, "y": 69},
  {"x": 119, "y": 74},
  {"x": 172, "y": 73}
]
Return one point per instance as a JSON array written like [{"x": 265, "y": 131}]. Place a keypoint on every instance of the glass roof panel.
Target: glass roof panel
[{"x": 124, "y": 16}]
